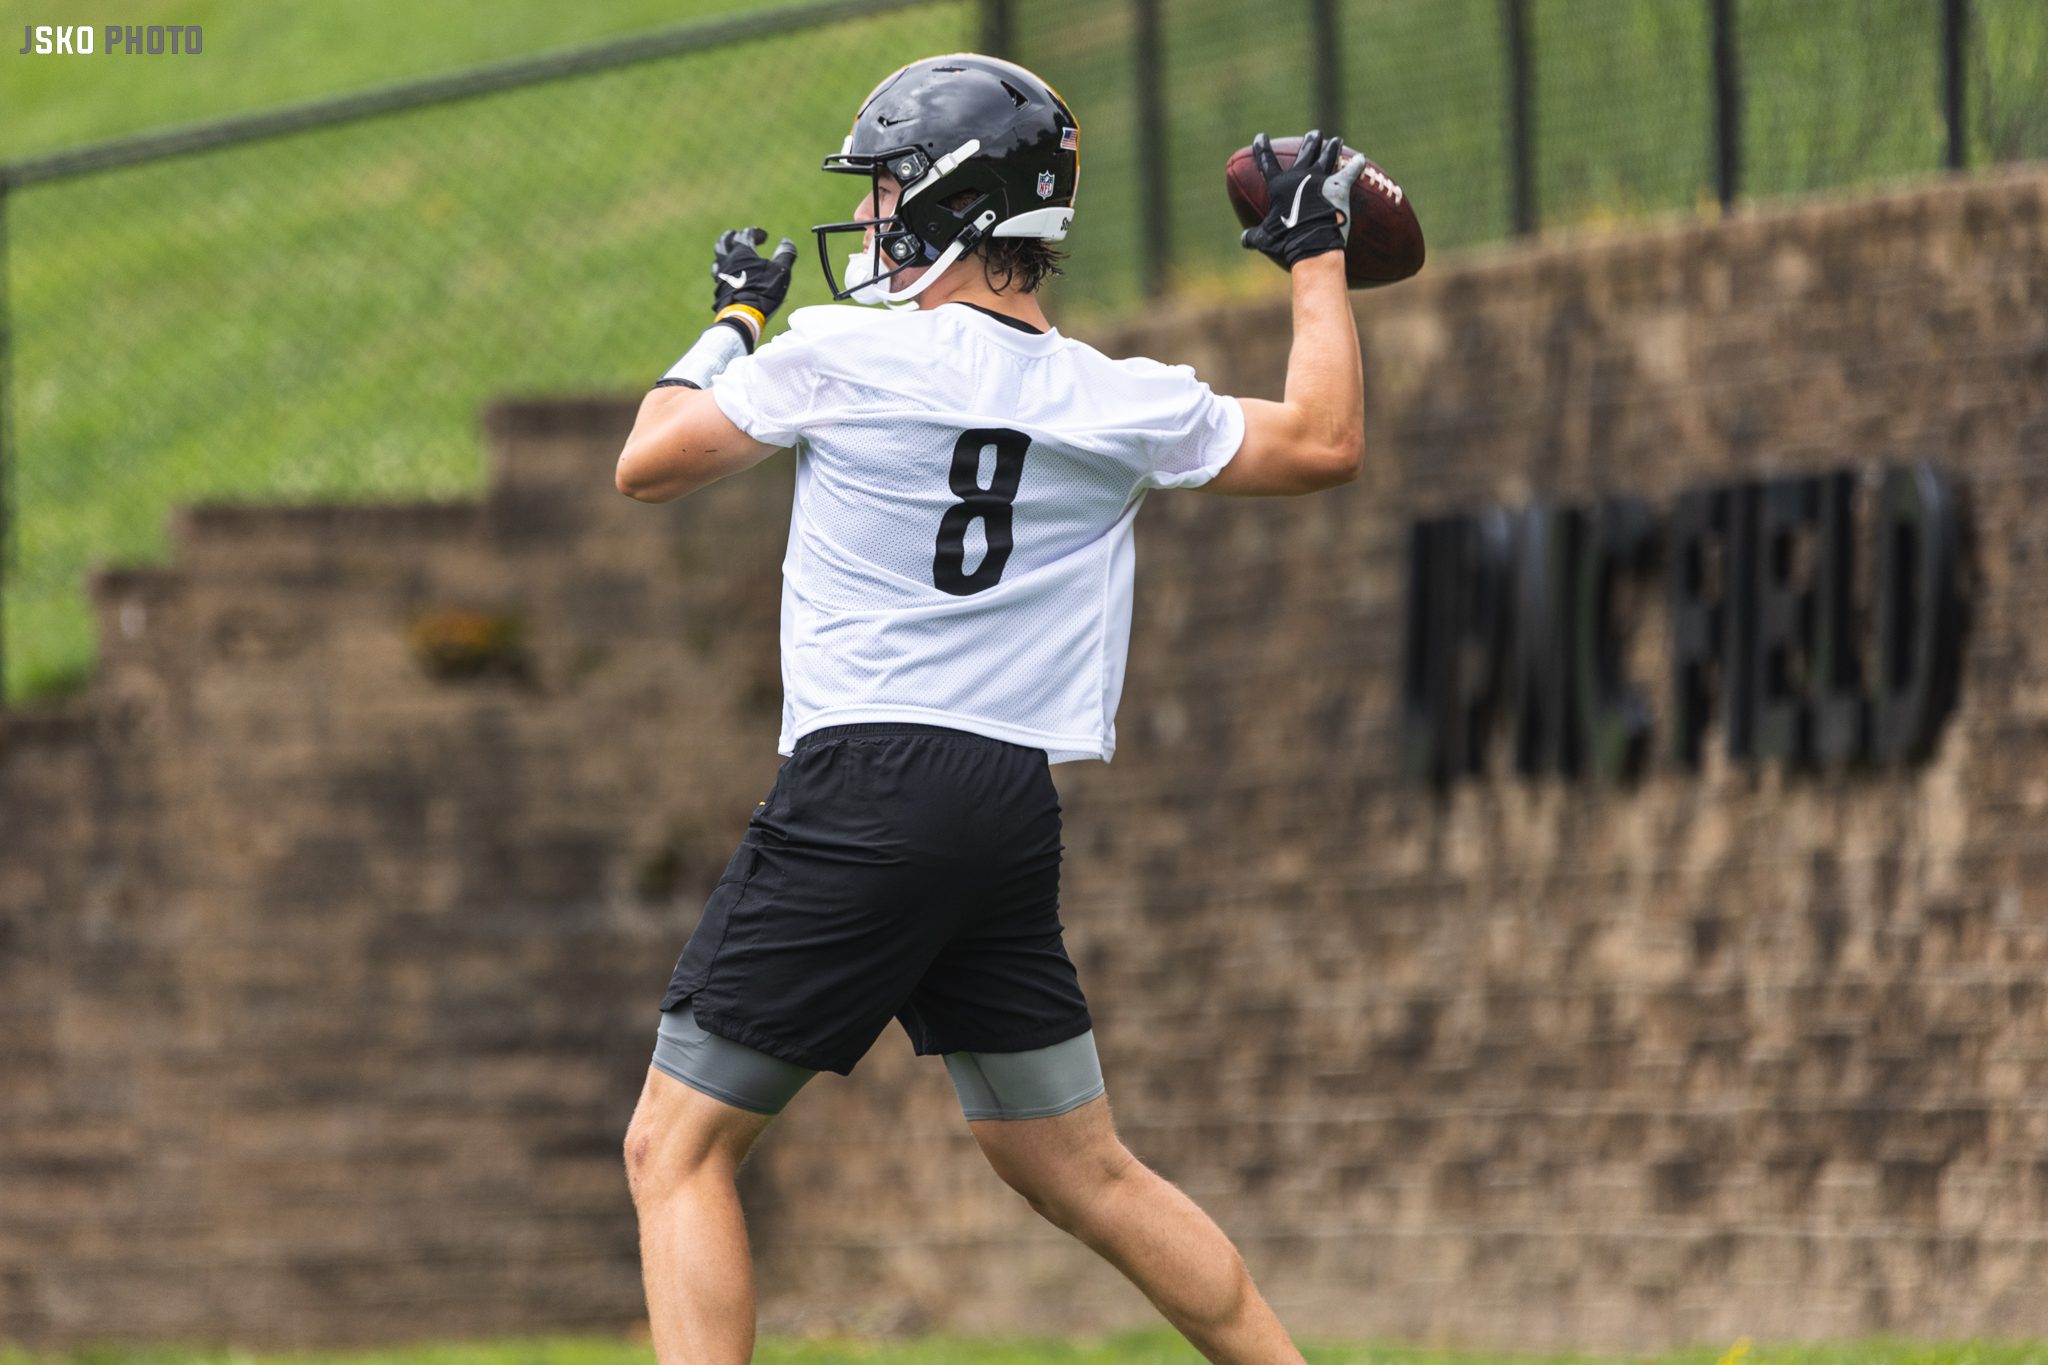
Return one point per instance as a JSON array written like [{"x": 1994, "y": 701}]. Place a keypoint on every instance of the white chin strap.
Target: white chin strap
[{"x": 908, "y": 298}]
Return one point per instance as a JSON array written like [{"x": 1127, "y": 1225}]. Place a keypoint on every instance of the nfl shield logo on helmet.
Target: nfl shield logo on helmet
[{"x": 1045, "y": 184}]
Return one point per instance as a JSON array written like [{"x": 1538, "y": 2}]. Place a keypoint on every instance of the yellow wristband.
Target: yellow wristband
[{"x": 754, "y": 316}]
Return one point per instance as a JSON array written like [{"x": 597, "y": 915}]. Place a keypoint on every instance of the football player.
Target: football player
[{"x": 956, "y": 606}]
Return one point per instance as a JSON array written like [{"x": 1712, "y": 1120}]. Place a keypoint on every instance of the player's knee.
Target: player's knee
[
  {"x": 642, "y": 1139},
  {"x": 660, "y": 1156},
  {"x": 644, "y": 1168},
  {"x": 639, "y": 1151},
  {"x": 1069, "y": 1193}
]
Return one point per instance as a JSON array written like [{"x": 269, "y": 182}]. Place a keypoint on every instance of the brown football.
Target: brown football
[{"x": 1385, "y": 242}]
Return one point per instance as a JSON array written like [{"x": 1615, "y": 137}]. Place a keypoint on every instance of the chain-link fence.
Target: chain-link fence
[
  {"x": 314, "y": 305},
  {"x": 1505, "y": 116}
]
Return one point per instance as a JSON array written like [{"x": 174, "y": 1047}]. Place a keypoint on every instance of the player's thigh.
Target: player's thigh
[
  {"x": 1058, "y": 1163},
  {"x": 706, "y": 1099},
  {"x": 678, "y": 1131}
]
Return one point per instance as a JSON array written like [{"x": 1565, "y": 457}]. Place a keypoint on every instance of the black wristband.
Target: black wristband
[{"x": 740, "y": 326}]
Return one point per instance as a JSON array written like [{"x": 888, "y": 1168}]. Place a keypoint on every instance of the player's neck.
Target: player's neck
[{"x": 972, "y": 287}]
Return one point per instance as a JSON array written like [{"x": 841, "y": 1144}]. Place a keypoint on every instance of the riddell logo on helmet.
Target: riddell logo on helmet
[{"x": 1045, "y": 184}]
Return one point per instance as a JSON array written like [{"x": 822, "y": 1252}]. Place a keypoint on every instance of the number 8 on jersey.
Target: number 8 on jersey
[{"x": 993, "y": 504}]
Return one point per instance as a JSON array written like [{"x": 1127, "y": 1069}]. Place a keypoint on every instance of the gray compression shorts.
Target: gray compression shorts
[
  {"x": 1027, "y": 1085},
  {"x": 991, "y": 1085},
  {"x": 743, "y": 1077}
]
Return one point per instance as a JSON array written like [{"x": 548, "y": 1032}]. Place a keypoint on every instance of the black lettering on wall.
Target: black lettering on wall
[
  {"x": 1918, "y": 612},
  {"x": 1771, "y": 628},
  {"x": 1546, "y": 547},
  {"x": 1454, "y": 642},
  {"x": 1787, "y": 517},
  {"x": 1694, "y": 574},
  {"x": 1838, "y": 717},
  {"x": 1424, "y": 656},
  {"x": 1613, "y": 717},
  {"x": 1738, "y": 622},
  {"x": 1482, "y": 585}
]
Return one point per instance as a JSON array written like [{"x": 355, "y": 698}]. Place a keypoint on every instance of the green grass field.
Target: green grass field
[
  {"x": 322, "y": 316},
  {"x": 1137, "y": 1349}
]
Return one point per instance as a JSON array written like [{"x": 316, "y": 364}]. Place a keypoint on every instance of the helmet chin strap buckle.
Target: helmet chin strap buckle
[
  {"x": 960, "y": 246},
  {"x": 976, "y": 230}
]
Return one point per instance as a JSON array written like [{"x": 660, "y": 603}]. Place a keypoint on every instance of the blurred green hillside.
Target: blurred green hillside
[
  {"x": 259, "y": 55},
  {"x": 323, "y": 315}
]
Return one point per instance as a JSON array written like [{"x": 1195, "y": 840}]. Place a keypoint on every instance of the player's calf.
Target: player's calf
[{"x": 1074, "y": 1171}]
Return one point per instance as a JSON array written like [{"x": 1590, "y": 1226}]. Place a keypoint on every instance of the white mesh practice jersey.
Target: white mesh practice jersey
[{"x": 960, "y": 547}]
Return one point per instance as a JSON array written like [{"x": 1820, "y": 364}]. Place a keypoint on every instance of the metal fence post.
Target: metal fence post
[
  {"x": 1326, "y": 59},
  {"x": 1955, "y": 25},
  {"x": 1155, "y": 240},
  {"x": 1727, "y": 103},
  {"x": 995, "y": 28},
  {"x": 1514, "y": 19}
]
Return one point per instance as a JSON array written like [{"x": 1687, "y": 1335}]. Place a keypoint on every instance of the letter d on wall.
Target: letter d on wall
[{"x": 1919, "y": 635}]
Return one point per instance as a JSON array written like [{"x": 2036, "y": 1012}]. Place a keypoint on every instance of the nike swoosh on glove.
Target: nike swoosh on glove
[
  {"x": 1309, "y": 203},
  {"x": 740, "y": 275}
]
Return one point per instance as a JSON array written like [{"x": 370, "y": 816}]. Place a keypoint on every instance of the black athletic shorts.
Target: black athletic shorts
[{"x": 902, "y": 871}]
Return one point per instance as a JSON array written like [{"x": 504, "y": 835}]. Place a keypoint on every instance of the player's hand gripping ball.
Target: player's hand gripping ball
[{"x": 1289, "y": 205}]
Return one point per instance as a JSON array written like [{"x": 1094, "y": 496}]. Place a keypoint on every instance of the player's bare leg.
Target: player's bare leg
[
  {"x": 683, "y": 1150},
  {"x": 1074, "y": 1171}
]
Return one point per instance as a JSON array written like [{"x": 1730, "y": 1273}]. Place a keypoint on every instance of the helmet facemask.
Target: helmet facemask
[{"x": 922, "y": 232}]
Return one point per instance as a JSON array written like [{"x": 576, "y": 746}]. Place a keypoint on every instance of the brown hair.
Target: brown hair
[
  {"x": 1026, "y": 262},
  {"x": 1022, "y": 262}
]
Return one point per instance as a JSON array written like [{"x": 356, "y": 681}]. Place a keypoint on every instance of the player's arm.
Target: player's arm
[
  {"x": 1314, "y": 437},
  {"x": 681, "y": 440}
]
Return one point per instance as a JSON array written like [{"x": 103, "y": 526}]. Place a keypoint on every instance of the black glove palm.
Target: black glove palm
[
  {"x": 739, "y": 274},
  {"x": 1309, "y": 203}
]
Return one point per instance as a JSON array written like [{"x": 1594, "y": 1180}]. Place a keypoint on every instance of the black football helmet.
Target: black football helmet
[{"x": 939, "y": 127}]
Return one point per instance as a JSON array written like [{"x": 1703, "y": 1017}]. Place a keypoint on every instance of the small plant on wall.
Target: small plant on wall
[{"x": 454, "y": 644}]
